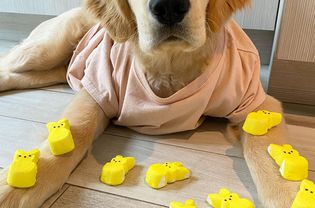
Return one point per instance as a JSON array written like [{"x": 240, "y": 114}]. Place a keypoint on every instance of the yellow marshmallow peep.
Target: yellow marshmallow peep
[
  {"x": 60, "y": 137},
  {"x": 258, "y": 123},
  {"x": 292, "y": 166},
  {"x": 159, "y": 175},
  {"x": 226, "y": 199},
  {"x": 113, "y": 172},
  {"x": 23, "y": 170},
  {"x": 188, "y": 204},
  {"x": 306, "y": 196}
]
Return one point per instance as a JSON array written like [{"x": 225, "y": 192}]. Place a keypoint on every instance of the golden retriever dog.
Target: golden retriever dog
[{"x": 173, "y": 41}]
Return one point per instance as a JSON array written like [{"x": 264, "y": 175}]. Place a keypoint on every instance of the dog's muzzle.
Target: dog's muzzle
[{"x": 169, "y": 12}]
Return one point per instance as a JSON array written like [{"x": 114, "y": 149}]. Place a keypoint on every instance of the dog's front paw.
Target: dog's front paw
[
  {"x": 48, "y": 182},
  {"x": 8, "y": 80},
  {"x": 4, "y": 81},
  {"x": 280, "y": 195}
]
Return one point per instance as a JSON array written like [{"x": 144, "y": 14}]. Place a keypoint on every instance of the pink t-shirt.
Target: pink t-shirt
[{"x": 230, "y": 87}]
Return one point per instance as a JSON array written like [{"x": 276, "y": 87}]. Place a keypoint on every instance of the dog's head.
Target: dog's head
[{"x": 158, "y": 24}]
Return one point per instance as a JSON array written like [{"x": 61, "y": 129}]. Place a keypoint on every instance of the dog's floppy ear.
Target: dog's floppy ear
[
  {"x": 219, "y": 11},
  {"x": 115, "y": 16}
]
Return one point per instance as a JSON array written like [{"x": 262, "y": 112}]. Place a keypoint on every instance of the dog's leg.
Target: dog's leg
[
  {"x": 49, "y": 46},
  {"x": 273, "y": 190},
  {"x": 32, "y": 79},
  {"x": 87, "y": 122}
]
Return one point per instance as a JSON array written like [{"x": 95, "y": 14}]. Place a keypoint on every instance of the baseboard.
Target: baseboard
[
  {"x": 298, "y": 120},
  {"x": 293, "y": 82},
  {"x": 263, "y": 41}
]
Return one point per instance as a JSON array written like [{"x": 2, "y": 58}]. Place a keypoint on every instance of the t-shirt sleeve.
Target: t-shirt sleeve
[
  {"x": 91, "y": 69},
  {"x": 253, "y": 97},
  {"x": 98, "y": 79}
]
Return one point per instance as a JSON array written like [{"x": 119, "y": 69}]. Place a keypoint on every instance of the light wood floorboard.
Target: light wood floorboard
[
  {"x": 210, "y": 171},
  {"x": 147, "y": 151},
  {"x": 34, "y": 105},
  {"x": 55, "y": 198},
  {"x": 18, "y": 134},
  {"x": 76, "y": 197},
  {"x": 210, "y": 137}
]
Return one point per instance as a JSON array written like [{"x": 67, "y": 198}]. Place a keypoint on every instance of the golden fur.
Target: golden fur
[
  {"x": 41, "y": 60},
  {"x": 220, "y": 11},
  {"x": 115, "y": 15}
]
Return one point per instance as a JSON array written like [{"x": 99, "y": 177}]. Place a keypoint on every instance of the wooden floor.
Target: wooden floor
[{"x": 213, "y": 160}]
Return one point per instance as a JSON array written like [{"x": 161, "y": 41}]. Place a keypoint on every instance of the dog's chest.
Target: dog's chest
[{"x": 166, "y": 84}]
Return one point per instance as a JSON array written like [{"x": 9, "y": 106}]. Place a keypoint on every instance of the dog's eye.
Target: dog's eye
[
  {"x": 284, "y": 152},
  {"x": 306, "y": 189},
  {"x": 312, "y": 192},
  {"x": 30, "y": 155},
  {"x": 20, "y": 155}
]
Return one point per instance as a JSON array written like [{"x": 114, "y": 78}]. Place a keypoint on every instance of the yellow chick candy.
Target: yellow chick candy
[
  {"x": 292, "y": 166},
  {"x": 306, "y": 196},
  {"x": 113, "y": 172},
  {"x": 60, "y": 137},
  {"x": 23, "y": 170},
  {"x": 188, "y": 204},
  {"x": 159, "y": 175},
  {"x": 226, "y": 199},
  {"x": 258, "y": 123}
]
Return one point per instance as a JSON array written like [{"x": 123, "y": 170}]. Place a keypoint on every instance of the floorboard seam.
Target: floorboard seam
[
  {"x": 125, "y": 137},
  {"x": 99, "y": 191},
  {"x": 59, "y": 196},
  {"x": 132, "y": 138},
  {"x": 22, "y": 119},
  {"x": 55, "y": 91},
  {"x": 172, "y": 145}
]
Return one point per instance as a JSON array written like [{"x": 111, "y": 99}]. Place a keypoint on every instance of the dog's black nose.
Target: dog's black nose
[{"x": 169, "y": 12}]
